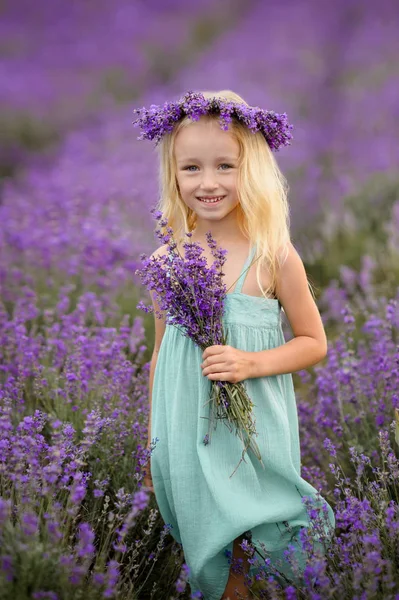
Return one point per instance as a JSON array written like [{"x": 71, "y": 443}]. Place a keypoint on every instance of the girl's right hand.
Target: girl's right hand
[{"x": 148, "y": 477}]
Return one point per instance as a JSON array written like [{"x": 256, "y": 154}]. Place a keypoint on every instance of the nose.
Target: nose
[{"x": 208, "y": 181}]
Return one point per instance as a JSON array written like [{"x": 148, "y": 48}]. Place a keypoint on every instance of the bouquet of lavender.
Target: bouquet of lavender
[{"x": 192, "y": 296}]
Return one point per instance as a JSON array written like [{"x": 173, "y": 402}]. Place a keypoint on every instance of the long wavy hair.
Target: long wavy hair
[{"x": 263, "y": 210}]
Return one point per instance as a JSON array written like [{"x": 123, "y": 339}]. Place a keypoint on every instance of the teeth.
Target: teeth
[{"x": 209, "y": 201}]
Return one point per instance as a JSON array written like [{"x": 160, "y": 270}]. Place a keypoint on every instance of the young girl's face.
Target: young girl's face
[{"x": 207, "y": 167}]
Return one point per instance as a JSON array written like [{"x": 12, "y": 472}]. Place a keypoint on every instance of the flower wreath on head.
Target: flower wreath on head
[{"x": 158, "y": 120}]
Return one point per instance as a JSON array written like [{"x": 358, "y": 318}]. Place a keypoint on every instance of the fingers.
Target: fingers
[
  {"x": 213, "y": 369},
  {"x": 148, "y": 479},
  {"x": 148, "y": 483},
  {"x": 150, "y": 487},
  {"x": 212, "y": 350},
  {"x": 222, "y": 377},
  {"x": 218, "y": 373}
]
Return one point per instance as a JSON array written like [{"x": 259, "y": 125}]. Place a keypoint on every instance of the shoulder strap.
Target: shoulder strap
[{"x": 243, "y": 274}]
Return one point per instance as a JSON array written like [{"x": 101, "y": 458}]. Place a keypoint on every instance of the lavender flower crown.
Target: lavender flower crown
[{"x": 158, "y": 120}]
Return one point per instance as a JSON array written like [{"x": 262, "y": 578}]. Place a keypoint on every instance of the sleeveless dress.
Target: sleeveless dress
[{"x": 206, "y": 509}]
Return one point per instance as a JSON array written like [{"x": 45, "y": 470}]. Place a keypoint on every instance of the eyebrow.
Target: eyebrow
[{"x": 229, "y": 158}]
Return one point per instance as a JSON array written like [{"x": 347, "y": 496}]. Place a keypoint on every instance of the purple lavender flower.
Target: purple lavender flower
[
  {"x": 181, "y": 582},
  {"x": 30, "y": 523},
  {"x": 191, "y": 293},
  {"x": 112, "y": 578},
  {"x": 85, "y": 546},
  {"x": 156, "y": 121},
  {"x": 140, "y": 500}
]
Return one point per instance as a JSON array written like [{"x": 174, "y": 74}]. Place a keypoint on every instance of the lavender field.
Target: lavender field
[{"x": 76, "y": 189}]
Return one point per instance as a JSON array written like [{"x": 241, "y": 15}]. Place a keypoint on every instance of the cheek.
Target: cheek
[
  {"x": 182, "y": 181},
  {"x": 187, "y": 184},
  {"x": 182, "y": 187},
  {"x": 234, "y": 180}
]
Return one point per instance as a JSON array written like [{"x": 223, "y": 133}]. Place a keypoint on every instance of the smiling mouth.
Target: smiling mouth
[{"x": 211, "y": 200}]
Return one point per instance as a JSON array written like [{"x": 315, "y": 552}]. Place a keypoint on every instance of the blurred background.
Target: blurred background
[{"x": 77, "y": 186}]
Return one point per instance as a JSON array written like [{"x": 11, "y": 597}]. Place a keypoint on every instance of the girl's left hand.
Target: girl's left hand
[{"x": 225, "y": 363}]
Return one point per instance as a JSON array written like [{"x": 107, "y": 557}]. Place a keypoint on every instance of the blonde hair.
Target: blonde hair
[{"x": 263, "y": 210}]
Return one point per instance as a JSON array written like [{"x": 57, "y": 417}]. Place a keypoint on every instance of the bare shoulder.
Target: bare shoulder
[
  {"x": 160, "y": 323},
  {"x": 162, "y": 250},
  {"x": 296, "y": 298}
]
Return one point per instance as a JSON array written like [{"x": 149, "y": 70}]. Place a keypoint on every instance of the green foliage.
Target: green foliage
[
  {"x": 117, "y": 82},
  {"x": 21, "y": 134},
  {"x": 203, "y": 31},
  {"x": 360, "y": 232}
]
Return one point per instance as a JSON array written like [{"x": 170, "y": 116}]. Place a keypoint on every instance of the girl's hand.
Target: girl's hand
[
  {"x": 225, "y": 363},
  {"x": 147, "y": 477}
]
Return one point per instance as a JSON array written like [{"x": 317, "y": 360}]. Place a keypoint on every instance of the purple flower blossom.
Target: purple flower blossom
[
  {"x": 30, "y": 524},
  {"x": 78, "y": 493},
  {"x": 191, "y": 293},
  {"x": 330, "y": 447},
  {"x": 156, "y": 121},
  {"x": 85, "y": 546},
  {"x": 111, "y": 578},
  {"x": 98, "y": 579},
  {"x": 7, "y": 566},
  {"x": 77, "y": 574},
  {"x": 140, "y": 500}
]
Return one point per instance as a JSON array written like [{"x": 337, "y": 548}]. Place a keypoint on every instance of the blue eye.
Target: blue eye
[{"x": 194, "y": 167}]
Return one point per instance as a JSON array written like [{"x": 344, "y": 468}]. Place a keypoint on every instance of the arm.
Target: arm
[
  {"x": 309, "y": 345},
  {"x": 153, "y": 364},
  {"x": 159, "y": 332}
]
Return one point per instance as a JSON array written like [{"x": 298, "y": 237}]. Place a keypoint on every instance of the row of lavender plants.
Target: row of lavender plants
[
  {"x": 74, "y": 515},
  {"x": 75, "y": 518}
]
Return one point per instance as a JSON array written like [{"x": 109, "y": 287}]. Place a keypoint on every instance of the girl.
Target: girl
[{"x": 227, "y": 181}]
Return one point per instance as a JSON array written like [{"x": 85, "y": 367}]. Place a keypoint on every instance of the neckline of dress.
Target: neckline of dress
[{"x": 251, "y": 296}]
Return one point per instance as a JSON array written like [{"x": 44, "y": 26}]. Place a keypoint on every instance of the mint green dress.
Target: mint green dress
[{"x": 206, "y": 509}]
